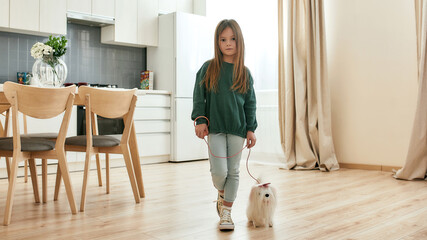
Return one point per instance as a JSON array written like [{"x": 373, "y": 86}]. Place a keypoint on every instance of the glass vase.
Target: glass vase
[{"x": 46, "y": 76}]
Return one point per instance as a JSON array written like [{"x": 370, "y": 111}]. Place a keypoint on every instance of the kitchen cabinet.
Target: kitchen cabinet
[
  {"x": 53, "y": 18},
  {"x": 125, "y": 32},
  {"x": 38, "y": 17},
  {"x": 4, "y": 14},
  {"x": 152, "y": 119},
  {"x": 125, "y": 29},
  {"x": 148, "y": 23},
  {"x": 170, "y": 6},
  {"x": 24, "y": 15},
  {"x": 80, "y": 6},
  {"x": 103, "y": 8}
]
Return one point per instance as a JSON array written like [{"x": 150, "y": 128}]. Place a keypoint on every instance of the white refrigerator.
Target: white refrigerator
[{"x": 185, "y": 43}]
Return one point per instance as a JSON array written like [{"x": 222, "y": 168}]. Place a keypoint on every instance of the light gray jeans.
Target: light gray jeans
[{"x": 225, "y": 171}]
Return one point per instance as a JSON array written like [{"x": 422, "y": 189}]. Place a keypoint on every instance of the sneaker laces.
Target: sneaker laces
[{"x": 226, "y": 216}]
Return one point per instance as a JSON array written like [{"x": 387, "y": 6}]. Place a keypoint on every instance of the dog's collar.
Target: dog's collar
[{"x": 263, "y": 185}]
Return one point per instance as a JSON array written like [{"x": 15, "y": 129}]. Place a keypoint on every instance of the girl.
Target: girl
[{"x": 224, "y": 94}]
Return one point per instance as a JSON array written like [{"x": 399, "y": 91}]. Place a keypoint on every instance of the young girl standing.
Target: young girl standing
[{"x": 224, "y": 94}]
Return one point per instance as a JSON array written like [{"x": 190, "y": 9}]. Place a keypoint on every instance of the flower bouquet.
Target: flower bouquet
[{"x": 49, "y": 70}]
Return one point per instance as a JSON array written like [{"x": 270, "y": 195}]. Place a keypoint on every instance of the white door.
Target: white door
[
  {"x": 194, "y": 46},
  {"x": 187, "y": 146}
]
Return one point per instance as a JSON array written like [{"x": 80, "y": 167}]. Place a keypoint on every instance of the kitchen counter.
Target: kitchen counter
[{"x": 144, "y": 92}]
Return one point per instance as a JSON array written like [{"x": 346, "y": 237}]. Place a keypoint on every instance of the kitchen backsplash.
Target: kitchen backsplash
[{"x": 87, "y": 59}]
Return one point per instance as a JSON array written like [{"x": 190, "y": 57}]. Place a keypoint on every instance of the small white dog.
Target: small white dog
[{"x": 262, "y": 204}]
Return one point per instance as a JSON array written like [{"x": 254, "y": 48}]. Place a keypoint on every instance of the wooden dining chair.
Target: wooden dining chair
[
  {"x": 107, "y": 104},
  {"x": 41, "y": 103},
  {"x": 5, "y": 110},
  {"x": 4, "y": 128}
]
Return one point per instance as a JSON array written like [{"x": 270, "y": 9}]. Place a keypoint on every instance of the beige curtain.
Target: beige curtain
[
  {"x": 304, "y": 99},
  {"x": 416, "y": 160}
]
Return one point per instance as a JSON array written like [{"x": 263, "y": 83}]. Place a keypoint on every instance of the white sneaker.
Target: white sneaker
[
  {"x": 219, "y": 203},
  {"x": 225, "y": 222}
]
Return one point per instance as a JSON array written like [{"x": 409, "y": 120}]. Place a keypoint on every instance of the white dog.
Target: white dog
[{"x": 262, "y": 204}]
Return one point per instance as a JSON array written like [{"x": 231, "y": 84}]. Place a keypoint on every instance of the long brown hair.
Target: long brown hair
[{"x": 239, "y": 73}]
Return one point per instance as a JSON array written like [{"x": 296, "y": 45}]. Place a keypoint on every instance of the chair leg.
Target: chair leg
[
  {"x": 62, "y": 162},
  {"x": 57, "y": 183},
  {"x": 136, "y": 162},
  {"x": 84, "y": 186},
  {"x": 26, "y": 171},
  {"x": 98, "y": 169},
  {"x": 8, "y": 168},
  {"x": 131, "y": 174},
  {"x": 107, "y": 171},
  {"x": 44, "y": 179},
  {"x": 33, "y": 172},
  {"x": 10, "y": 192}
]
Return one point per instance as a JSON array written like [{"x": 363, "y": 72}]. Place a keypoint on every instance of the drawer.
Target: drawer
[
  {"x": 149, "y": 126},
  {"x": 154, "y": 144},
  {"x": 150, "y": 100},
  {"x": 152, "y": 113}
]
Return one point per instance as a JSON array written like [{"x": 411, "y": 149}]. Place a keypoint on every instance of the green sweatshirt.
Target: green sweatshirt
[{"x": 228, "y": 111}]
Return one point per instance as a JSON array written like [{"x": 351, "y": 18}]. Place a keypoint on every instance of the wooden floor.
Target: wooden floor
[{"x": 345, "y": 204}]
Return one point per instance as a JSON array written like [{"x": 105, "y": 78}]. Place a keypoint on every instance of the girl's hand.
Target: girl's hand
[
  {"x": 250, "y": 139},
  {"x": 202, "y": 130}
]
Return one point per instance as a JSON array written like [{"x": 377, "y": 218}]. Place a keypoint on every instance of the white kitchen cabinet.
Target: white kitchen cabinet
[
  {"x": 80, "y": 6},
  {"x": 53, "y": 17},
  {"x": 152, "y": 119},
  {"x": 103, "y": 8},
  {"x": 184, "y": 6},
  {"x": 136, "y": 24},
  {"x": 38, "y": 17},
  {"x": 24, "y": 15},
  {"x": 170, "y": 6},
  {"x": 4, "y": 14},
  {"x": 125, "y": 28},
  {"x": 167, "y": 6},
  {"x": 124, "y": 31},
  {"x": 152, "y": 125},
  {"x": 148, "y": 22}
]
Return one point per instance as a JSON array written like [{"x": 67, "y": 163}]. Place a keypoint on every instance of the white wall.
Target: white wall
[{"x": 372, "y": 64}]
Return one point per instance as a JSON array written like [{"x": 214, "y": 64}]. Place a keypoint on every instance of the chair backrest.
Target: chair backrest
[
  {"x": 108, "y": 103},
  {"x": 4, "y": 110},
  {"x": 38, "y": 102},
  {"x": 41, "y": 103}
]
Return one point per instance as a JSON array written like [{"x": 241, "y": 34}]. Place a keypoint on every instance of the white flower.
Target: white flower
[{"x": 40, "y": 49}]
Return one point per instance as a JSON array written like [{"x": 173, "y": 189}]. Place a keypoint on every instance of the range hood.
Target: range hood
[{"x": 89, "y": 20}]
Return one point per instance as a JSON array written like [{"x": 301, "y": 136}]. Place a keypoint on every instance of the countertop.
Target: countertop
[{"x": 138, "y": 92}]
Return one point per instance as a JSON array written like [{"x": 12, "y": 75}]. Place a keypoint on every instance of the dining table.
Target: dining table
[{"x": 133, "y": 145}]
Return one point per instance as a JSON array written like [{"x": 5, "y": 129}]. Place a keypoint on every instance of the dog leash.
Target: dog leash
[{"x": 247, "y": 159}]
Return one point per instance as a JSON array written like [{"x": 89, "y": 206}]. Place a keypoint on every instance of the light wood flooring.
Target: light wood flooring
[{"x": 345, "y": 204}]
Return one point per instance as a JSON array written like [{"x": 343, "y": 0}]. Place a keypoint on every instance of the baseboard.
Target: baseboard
[{"x": 369, "y": 167}]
